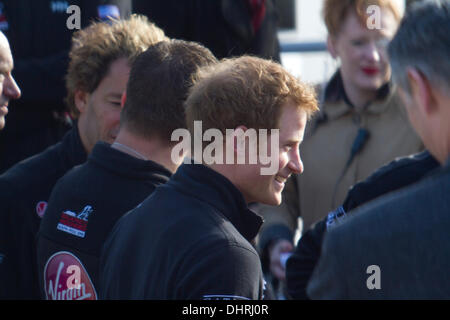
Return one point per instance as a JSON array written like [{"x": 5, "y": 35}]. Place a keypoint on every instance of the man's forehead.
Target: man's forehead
[{"x": 6, "y": 61}]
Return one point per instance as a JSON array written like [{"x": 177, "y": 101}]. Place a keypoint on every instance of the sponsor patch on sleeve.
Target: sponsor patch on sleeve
[
  {"x": 65, "y": 278},
  {"x": 75, "y": 224},
  {"x": 335, "y": 216},
  {"x": 40, "y": 208}
]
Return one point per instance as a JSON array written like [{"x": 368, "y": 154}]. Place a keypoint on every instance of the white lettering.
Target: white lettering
[
  {"x": 374, "y": 281},
  {"x": 74, "y": 21},
  {"x": 74, "y": 281},
  {"x": 199, "y": 310},
  {"x": 374, "y": 19},
  {"x": 246, "y": 309},
  {"x": 181, "y": 149},
  {"x": 241, "y": 146},
  {"x": 71, "y": 294}
]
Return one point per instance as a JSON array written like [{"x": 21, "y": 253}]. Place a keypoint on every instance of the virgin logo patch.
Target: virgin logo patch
[
  {"x": 65, "y": 278},
  {"x": 73, "y": 223},
  {"x": 40, "y": 208}
]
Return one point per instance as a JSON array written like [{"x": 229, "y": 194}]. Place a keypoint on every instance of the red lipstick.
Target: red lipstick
[{"x": 370, "y": 70}]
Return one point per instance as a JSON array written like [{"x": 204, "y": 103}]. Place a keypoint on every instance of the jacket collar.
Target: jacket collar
[
  {"x": 73, "y": 151},
  {"x": 447, "y": 163},
  {"x": 207, "y": 185},
  {"x": 337, "y": 104},
  {"x": 128, "y": 166}
]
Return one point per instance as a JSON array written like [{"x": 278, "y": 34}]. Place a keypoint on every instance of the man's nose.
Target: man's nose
[
  {"x": 11, "y": 89},
  {"x": 296, "y": 164}
]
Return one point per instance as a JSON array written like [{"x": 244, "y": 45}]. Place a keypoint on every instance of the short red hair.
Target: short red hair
[{"x": 334, "y": 12}]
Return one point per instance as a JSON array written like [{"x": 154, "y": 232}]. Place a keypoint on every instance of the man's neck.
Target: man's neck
[
  {"x": 145, "y": 149},
  {"x": 81, "y": 126},
  {"x": 229, "y": 171}
]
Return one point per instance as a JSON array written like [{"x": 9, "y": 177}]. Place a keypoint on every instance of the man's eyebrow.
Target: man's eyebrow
[
  {"x": 293, "y": 141},
  {"x": 115, "y": 95},
  {"x": 5, "y": 67}
]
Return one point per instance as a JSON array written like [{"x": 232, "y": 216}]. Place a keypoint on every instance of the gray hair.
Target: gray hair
[{"x": 423, "y": 42}]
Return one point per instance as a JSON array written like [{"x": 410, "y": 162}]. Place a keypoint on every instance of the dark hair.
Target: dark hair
[
  {"x": 158, "y": 86},
  {"x": 423, "y": 42}
]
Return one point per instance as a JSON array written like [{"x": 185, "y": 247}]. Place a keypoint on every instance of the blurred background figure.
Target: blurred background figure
[
  {"x": 226, "y": 27},
  {"x": 360, "y": 127},
  {"x": 40, "y": 42}
]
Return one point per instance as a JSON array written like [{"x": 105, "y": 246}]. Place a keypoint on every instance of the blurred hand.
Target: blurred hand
[{"x": 276, "y": 250}]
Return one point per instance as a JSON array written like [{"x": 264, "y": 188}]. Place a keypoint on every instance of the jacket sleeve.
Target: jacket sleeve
[
  {"x": 301, "y": 264},
  {"x": 325, "y": 281},
  {"x": 5, "y": 242},
  {"x": 230, "y": 272}
]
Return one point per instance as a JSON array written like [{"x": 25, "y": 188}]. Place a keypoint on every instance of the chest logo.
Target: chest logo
[
  {"x": 73, "y": 223},
  {"x": 65, "y": 278},
  {"x": 40, "y": 208}
]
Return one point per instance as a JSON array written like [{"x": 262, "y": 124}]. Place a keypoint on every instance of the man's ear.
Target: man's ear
[
  {"x": 81, "y": 100},
  {"x": 123, "y": 99},
  {"x": 421, "y": 90},
  {"x": 331, "y": 45}
]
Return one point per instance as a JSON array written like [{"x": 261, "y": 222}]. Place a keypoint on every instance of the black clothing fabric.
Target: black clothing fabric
[
  {"x": 223, "y": 26},
  {"x": 108, "y": 185},
  {"x": 40, "y": 41},
  {"x": 188, "y": 240},
  {"x": 395, "y": 175},
  {"x": 24, "y": 192}
]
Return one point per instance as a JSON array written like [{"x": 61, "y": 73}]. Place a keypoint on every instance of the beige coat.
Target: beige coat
[{"x": 326, "y": 150}]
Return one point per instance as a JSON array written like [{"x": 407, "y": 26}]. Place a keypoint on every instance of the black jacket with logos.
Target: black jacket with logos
[
  {"x": 24, "y": 192},
  {"x": 83, "y": 208},
  {"x": 188, "y": 240},
  {"x": 40, "y": 41},
  {"x": 399, "y": 173}
]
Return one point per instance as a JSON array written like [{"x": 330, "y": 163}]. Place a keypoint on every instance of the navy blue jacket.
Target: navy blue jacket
[
  {"x": 189, "y": 240},
  {"x": 395, "y": 247},
  {"x": 24, "y": 192},
  {"x": 99, "y": 192},
  {"x": 395, "y": 175}
]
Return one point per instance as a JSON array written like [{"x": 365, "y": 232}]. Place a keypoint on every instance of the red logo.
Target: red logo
[
  {"x": 65, "y": 278},
  {"x": 73, "y": 223},
  {"x": 40, "y": 208}
]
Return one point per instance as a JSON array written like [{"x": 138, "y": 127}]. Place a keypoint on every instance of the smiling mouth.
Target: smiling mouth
[{"x": 280, "y": 179}]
